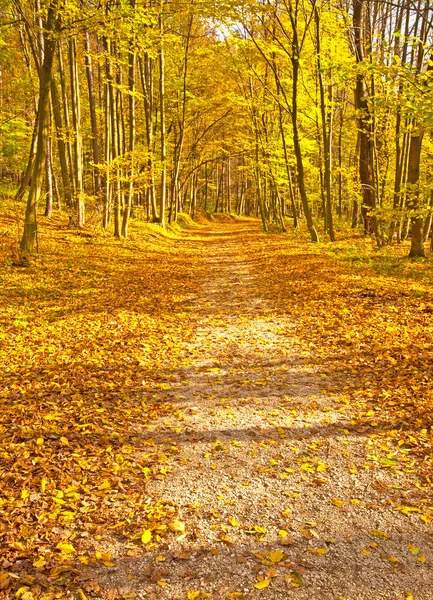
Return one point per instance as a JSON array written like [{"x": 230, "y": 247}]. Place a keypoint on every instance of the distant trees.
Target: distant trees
[{"x": 284, "y": 109}]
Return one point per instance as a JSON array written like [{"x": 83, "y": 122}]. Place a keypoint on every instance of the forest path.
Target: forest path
[{"x": 262, "y": 464}]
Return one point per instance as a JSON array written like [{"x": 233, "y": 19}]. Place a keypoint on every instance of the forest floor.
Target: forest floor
[{"x": 216, "y": 414}]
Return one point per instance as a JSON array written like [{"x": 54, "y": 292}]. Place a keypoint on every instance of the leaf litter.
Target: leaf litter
[{"x": 166, "y": 423}]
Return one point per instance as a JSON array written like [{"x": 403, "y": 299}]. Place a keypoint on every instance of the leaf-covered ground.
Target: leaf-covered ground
[{"x": 215, "y": 414}]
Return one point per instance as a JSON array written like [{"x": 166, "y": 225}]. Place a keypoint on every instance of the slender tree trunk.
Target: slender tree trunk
[
  {"x": 93, "y": 119},
  {"x": 326, "y": 132},
  {"x": 259, "y": 188},
  {"x": 30, "y": 162},
  {"x": 298, "y": 152},
  {"x": 61, "y": 146},
  {"x": 78, "y": 142},
  {"x": 179, "y": 148},
  {"x": 340, "y": 159},
  {"x": 131, "y": 100},
  {"x": 50, "y": 41},
  {"x": 49, "y": 179},
  {"x": 108, "y": 136},
  {"x": 417, "y": 243},
  {"x": 146, "y": 75},
  {"x": 114, "y": 153},
  {"x": 67, "y": 126},
  {"x": 162, "y": 122}
]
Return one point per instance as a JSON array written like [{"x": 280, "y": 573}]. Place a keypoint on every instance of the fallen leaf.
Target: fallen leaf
[
  {"x": 275, "y": 556},
  {"x": 295, "y": 579},
  {"x": 379, "y": 534},
  {"x": 319, "y": 551},
  {"x": 146, "y": 536},
  {"x": 261, "y": 585},
  {"x": 176, "y": 526}
]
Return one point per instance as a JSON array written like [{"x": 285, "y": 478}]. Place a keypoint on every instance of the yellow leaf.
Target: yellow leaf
[
  {"x": 146, "y": 536},
  {"x": 282, "y": 533},
  {"x": 273, "y": 462},
  {"x": 24, "y": 594},
  {"x": 257, "y": 529},
  {"x": 321, "y": 467},
  {"x": 25, "y": 494},
  {"x": 176, "y": 526},
  {"x": 365, "y": 552},
  {"x": 337, "y": 501},
  {"x": 287, "y": 512},
  {"x": 193, "y": 595},
  {"x": 105, "y": 485},
  {"x": 40, "y": 562},
  {"x": 295, "y": 579},
  {"x": 378, "y": 533},
  {"x": 276, "y": 556},
  {"x": 413, "y": 549},
  {"x": 64, "y": 441},
  {"x": 107, "y": 563},
  {"x": 43, "y": 484},
  {"x": 233, "y": 522},
  {"x": 162, "y": 583},
  {"x": 354, "y": 501},
  {"x": 422, "y": 558},
  {"x": 225, "y": 538},
  {"x": 261, "y": 585},
  {"x": 65, "y": 548},
  {"x": 40, "y": 441},
  {"x": 320, "y": 480},
  {"x": 318, "y": 551},
  {"x": 81, "y": 594}
]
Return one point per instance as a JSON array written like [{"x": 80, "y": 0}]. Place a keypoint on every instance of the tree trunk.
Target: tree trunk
[
  {"x": 38, "y": 170},
  {"x": 162, "y": 122},
  {"x": 326, "y": 133},
  {"x": 366, "y": 169},
  {"x": 417, "y": 242},
  {"x": 78, "y": 142},
  {"x": 93, "y": 120},
  {"x": 61, "y": 146},
  {"x": 298, "y": 152},
  {"x": 49, "y": 179},
  {"x": 131, "y": 100}
]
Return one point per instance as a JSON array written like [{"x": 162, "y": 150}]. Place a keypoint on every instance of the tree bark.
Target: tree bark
[
  {"x": 326, "y": 133},
  {"x": 38, "y": 170},
  {"x": 92, "y": 110},
  {"x": 366, "y": 169},
  {"x": 131, "y": 101},
  {"x": 161, "y": 58},
  {"x": 78, "y": 142}
]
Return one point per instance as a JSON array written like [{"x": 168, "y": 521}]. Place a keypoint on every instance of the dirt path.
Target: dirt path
[{"x": 263, "y": 470}]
